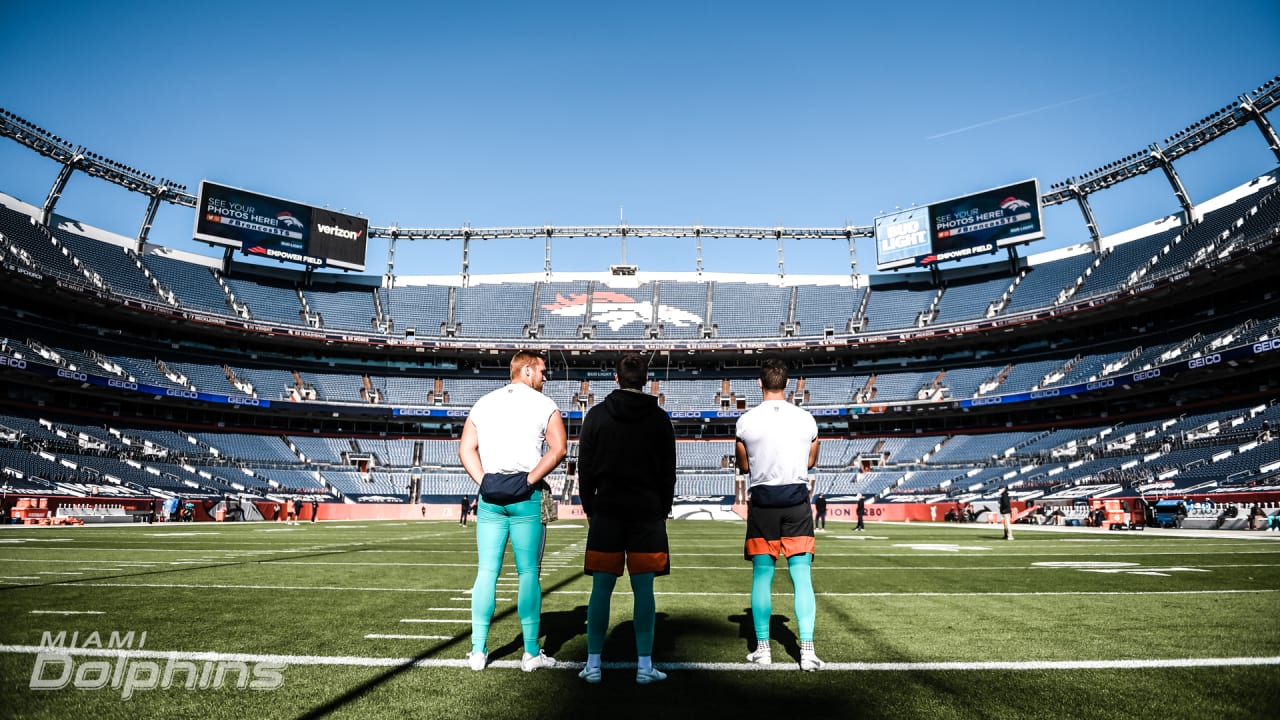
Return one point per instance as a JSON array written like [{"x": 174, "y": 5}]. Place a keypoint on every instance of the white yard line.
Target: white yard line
[
  {"x": 747, "y": 567},
  {"x": 67, "y": 612}
]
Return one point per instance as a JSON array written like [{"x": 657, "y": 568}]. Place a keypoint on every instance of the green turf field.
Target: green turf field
[{"x": 371, "y": 620}]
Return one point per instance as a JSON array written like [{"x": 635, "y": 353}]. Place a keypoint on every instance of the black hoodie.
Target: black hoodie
[{"x": 627, "y": 458}]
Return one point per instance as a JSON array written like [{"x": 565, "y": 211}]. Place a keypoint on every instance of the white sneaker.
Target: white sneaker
[
  {"x": 809, "y": 661},
  {"x": 650, "y": 675},
  {"x": 762, "y": 656},
  {"x": 590, "y": 674},
  {"x": 477, "y": 660},
  {"x": 529, "y": 663}
]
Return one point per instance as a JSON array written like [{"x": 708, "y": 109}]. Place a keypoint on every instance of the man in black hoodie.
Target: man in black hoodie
[{"x": 627, "y": 480}]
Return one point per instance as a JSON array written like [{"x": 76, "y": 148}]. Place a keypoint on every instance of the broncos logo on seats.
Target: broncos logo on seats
[{"x": 618, "y": 310}]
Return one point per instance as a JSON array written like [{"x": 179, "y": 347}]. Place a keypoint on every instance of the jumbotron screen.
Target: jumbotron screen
[
  {"x": 270, "y": 227},
  {"x": 959, "y": 228}
]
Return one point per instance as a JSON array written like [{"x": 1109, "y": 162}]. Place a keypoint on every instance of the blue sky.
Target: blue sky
[{"x": 742, "y": 113}]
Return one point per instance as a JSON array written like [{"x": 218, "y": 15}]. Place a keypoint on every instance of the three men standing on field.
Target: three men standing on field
[{"x": 626, "y": 474}]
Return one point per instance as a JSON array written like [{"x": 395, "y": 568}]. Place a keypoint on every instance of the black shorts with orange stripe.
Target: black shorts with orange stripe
[
  {"x": 775, "y": 531},
  {"x": 638, "y": 545}
]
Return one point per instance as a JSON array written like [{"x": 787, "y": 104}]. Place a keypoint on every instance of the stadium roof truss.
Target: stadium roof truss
[{"x": 1250, "y": 107}]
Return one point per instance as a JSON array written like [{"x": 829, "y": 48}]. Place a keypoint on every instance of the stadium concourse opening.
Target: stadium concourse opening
[{"x": 1093, "y": 380}]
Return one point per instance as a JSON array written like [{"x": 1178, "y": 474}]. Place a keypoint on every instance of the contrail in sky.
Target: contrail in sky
[{"x": 985, "y": 123}]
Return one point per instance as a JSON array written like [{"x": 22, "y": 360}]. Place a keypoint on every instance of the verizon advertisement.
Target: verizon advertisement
[{"x": 274, "y": 228}]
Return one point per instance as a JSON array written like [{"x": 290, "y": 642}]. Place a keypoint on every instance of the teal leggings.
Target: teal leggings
[
  {"x": 806, "y": 606},
  {"x": 522, "y": 522},
  {"x": 643, "y": 612}
]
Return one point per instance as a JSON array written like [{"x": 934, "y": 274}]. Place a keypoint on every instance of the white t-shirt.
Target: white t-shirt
[
  {"x": 778, "y": 436},
  {"x": 511, "y": 424}
]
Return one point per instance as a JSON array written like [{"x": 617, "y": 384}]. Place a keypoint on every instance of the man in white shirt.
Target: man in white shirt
[
  {"x": 777, "y": 444},
  {"x": 502, "y": 449}
]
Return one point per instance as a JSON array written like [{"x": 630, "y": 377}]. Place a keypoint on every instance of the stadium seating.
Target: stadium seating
[
  {"x": 195, "y": 286},
  {"x": 1123, "y": 262},
  {"x": 251, "y": 448},
  {"x": 349, "y": 309},
  {"x": 749, "y": 309},
  {"x": 38, "y": 242},
  {"x": 320, "y": 449},
  {"x": 969, "y": 301},
  {"x": 268, "y": 302},
  {"x": 689, "y": 298},
  {"x": 896, "y": 309},
  {"x": 118, "y": 267},
  {"x": 823, "y": 307},
  {"x": 498, "y": 310},
  {"x": 1045, "y": 282},
  {"x": 562, "y": 308},
  {"x": 425, "y": 308},
  {"x": 269, "y": 384}
]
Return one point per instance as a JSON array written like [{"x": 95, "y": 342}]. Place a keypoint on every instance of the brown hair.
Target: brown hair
[
  {"x": 773, "y": 374},
  {"x": 632, "y": 371}
]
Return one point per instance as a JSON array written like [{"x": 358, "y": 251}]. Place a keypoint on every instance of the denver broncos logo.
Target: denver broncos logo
[
  {"x": 1012, "y": 203},
  {"x": 618, "y": 310}
]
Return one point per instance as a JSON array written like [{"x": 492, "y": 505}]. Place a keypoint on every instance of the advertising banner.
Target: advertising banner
[
  {"x": 279, "y": 229},
  {"x": 961, "y": 227}
]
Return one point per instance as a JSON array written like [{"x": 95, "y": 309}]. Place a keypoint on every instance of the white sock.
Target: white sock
[
  {"x": 646, "y": 662},
  {"x": 593, "y": 661}
]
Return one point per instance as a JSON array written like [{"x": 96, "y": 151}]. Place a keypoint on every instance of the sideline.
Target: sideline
[
  {"x": 357, "y": 661},
  {"x": 995, "y": 530}
]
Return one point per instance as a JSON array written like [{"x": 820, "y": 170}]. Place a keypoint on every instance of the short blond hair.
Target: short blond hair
[{"x": 523, "y": 359}]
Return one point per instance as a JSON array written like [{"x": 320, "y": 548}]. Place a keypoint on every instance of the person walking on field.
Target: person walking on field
[
  {"x": 627, "y": 481},
  {"x": 502, "y": 449},
  {"x": 463, "y": 511},
  {"x": 820, "y": 512},
  {"x": 777, "y": 443},
  {"x": 1006, "y": 512}
]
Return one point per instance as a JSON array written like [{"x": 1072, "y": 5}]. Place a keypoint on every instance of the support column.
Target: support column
[
  {"x": 777, "y": 234},
  {"x": 466, "y": 257},
  {"x": 1188, "y": 209},
  {"x": 1264, "y": 125},
  {"x": 60, "y": 184},
  {"x": 389, "y": 279},
  {"x": 152, "y": 206},
  {"x": 546, "y": 251},
  {"x": 853, "y": 255},
  {"x": 697, "y": 241},
  {"x": 1082, "y": 200}
]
